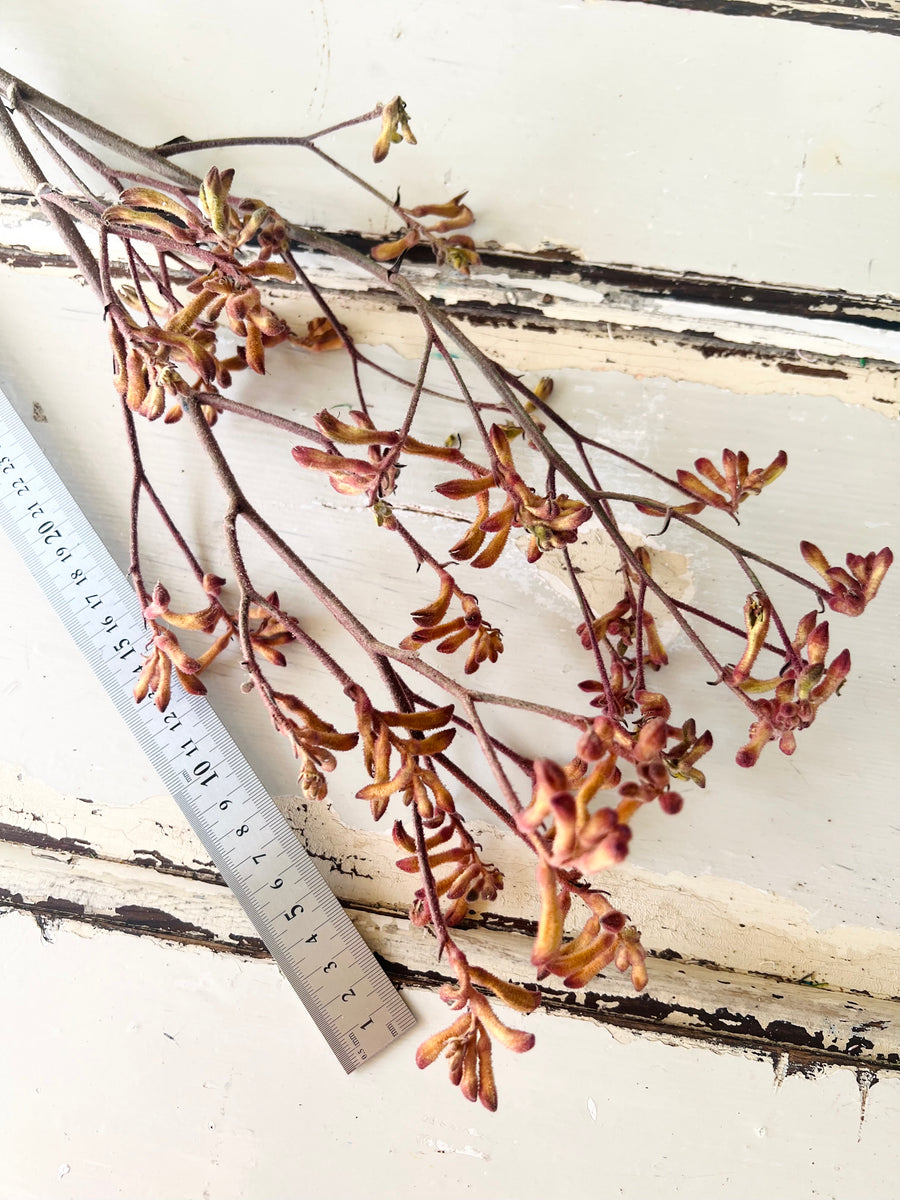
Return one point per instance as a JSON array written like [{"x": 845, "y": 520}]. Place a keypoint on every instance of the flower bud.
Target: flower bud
[
  {"x": 671, "y": 803},
  {"x": 651, "y": 740},
  {"x": 817, "y": 643}
]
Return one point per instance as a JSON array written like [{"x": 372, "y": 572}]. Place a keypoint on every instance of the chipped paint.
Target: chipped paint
[
  {"x": 874, "y": 16},
  {"x": 685, "y": 328},
  {"x": 597, "y": 564},
  {"x": 733, "y": 1008},
  {"x": 441, "y": 1147},
  {"x": 686, "y": 919},
  {"x": 866, "y": 1080}
]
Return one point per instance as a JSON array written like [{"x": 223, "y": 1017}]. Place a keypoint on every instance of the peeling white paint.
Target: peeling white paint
[
  {"x": 599, "y": 573},
  {"x": 281, "y": 1110},
  {"x": 646, "y": 342},
  {"x": 694, "y": 916},
  {"x": 440, "y": 1147}
]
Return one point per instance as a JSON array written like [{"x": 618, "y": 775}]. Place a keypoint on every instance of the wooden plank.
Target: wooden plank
[
  {"x": 650, "y": 324},
  {"x": 140, "y": 870},
  {"x": 627, "y": 132},
  {"x": 872, "y": 16},
  {"x": 684, "y": 999},
  {"x": 117, "y": 1046},
  {"x": 685, "y": 920}
]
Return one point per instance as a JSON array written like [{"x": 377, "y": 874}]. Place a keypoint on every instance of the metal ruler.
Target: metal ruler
[{"x": 309, "y": 935}]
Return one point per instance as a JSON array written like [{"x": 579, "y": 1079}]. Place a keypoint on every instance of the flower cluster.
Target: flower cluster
[
  {"x": 466, "y": 1043},
  {"x": 735, "y": 482},
  {"x": 551, "y": 521},
  {"x": 150, "y": 358},
  {"x": 167, "y": 654},
  {"x": 588, "y": 840},
  {"x": 486, "y": 640},
  {"x": 798, "y": 692},
  {"x": 394, "y": 129},
  {"x": 313, "y": 741},
  {"x": 413, "y": 779},
  {"x": 375, "y": 476},
  {"x": 850, "y": 591},
  {"x": 620, "y": 622},
  {"x": 469, "y": 879},
  {"x": 606, "y": 937},
  {"x": 457, "y": 249}
]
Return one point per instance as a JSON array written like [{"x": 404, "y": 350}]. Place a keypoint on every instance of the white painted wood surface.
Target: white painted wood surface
[
  {"x": 632, "y": 133},
  {"x": 135, "y": 1066},
  {"x": 139, "y": 1070},
  {"x": 670, "y": 423}
]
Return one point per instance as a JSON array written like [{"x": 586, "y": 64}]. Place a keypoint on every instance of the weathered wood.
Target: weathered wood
[
  {"x": 873, "y": 16},
  {"x": 141, "y": 871},
  {"x": 682, "y": 999},
  {"x": 712, "y": 154},
  {"x": 542, "y": 314}
]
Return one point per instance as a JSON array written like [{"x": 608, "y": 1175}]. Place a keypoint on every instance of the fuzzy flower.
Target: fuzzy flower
[
  {"x": 394, "y": 128},
  {"x": 798, "y": 692},
  {"x": 853, "y": 589}
]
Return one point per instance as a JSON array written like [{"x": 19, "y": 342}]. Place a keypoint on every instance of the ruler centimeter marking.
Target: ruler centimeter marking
[{"x": 307, "y": 932}]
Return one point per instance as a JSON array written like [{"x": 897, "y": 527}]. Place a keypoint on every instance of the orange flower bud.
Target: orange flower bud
[
  {"x": 391, "y": 250},
  {"x": 429, "y": 718},
  {"x": 432, "y": 1047},
  {"x": 631, "y": 955},
  {"x": 761, "y": 732},
  {"x": 651, "y": 740},
  {"x": 585, "y": 966},
  {"x": 757, "y": 611},
  {"x": 394, "y": 128},
  {"x": 338, "y": 431},
  {"x": 487, "y": 1087},
  {"x": 459, "y": 489},
  {"x": 522, "y": 999},
  {"x": 513, "y": 1039},
  {"x": 451, "y": 209},
  {"x": 436, "y": 611},
  {"x": 550, "y": 924}
]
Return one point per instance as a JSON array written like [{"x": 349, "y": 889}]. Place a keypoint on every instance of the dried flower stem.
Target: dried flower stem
[{"x": 221, "y": 250}]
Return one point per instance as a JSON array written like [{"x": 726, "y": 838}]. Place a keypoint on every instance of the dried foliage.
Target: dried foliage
[{"x": 171, "y": 362}]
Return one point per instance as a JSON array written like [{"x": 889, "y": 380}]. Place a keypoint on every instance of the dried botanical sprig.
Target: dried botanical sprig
[
  {"x": 590, "y": 840},
  {"x": 466, "y": 1042},
  {"x": 170, "y": 361},
  {"x": 850, "y": 590},
  {"x": 606, "y": 937},
  {"x": 551, "y": 521},
  {"x": 469, "y": 879},
  {"x": 735, "y": 482},
  {"x": 394, "y": 128},
  {"x": 799, "y": 691},
  {"x": 313, "y": 741},
  {"x": 458, "y": 249},
  {"x": 414, "y": 780},
  {"x": 486, "y": 640}
]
